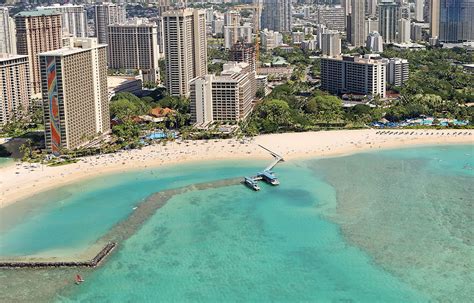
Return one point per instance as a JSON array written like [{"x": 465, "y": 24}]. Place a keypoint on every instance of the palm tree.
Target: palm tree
[
  {"x": 26, "y": 150},
  {"x": 171, "y": 119}
]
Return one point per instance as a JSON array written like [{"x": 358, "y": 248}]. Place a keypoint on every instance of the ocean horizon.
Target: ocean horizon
[{"x": 382, "y": 226}]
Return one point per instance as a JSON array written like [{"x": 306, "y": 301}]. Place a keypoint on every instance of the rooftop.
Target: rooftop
[
  {"x": 467, "y": 45},
  {"x": 7, "y": 57},
  {"x": 75, "y": 45},
  {"x": 228, "y": 78},
  {"x": 233, "y": 67},
  {"x": 106, "y": 4},
  {"x": 160, "y": 112},
  {"x": 366, "y": 59},
  {"x": 137, "y": 22},
  {"x": 114, "y": 81},
  {"x": 38, "y": 13},
  {"x": 65, "y": 51},
  {"x": 57, "y": 5},
  {"x": 180, "y": 12},
  {"x": 409, "y": 46}
]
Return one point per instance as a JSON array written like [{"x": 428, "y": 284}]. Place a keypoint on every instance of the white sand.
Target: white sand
[{"x": 20, "y": 181}]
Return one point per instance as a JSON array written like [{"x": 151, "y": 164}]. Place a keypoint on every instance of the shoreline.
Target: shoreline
[{"x": 20, "y": 181}]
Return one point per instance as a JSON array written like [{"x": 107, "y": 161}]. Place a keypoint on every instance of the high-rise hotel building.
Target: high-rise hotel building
[
  {"x": 134, "y": 45},
  {"x": 14, "y": 85},
  {"x": 456, "y": 21},
  {"x": 277, "y": 15},
  {"x": 397, "y": 71},
  {"x": 331, "y": 43},
  {"x": 388, "y": 21},
  {"x": 75, "y": 99},
  {"x": 7, "y": 32},
  {"x": 224, "y": 98},
  {"x": 331, "y": 16},
  {"x": 185, "y": 48},
  {"x": 357, "y": 23},
  {"x": 74, "y": 19},
  {"x": 236, "y": 33},
  {"x": 353, "y": 75},
  {"x": 434, "y": 12},
  {"x": 37, "y": 31},
  {"x": 105, "y": 14}
]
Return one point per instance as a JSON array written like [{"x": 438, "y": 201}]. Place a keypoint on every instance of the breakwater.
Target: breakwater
[
  {"x": 17, "y": 282},
  {"x": 42, "y": 264}
]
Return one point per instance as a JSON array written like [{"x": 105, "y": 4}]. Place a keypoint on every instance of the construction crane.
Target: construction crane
[{"x": 256, "y": 8}]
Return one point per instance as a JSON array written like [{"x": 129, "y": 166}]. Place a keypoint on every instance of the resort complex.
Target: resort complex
[{"x": 236, "y": 151}]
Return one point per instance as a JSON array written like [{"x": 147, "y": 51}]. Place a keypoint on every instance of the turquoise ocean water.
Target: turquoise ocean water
[
  {"x": 390, "y": 226},
  {"x": 5, "y": 161}
]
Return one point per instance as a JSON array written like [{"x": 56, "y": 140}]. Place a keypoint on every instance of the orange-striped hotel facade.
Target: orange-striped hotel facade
[{"x": 75, "y": 98}]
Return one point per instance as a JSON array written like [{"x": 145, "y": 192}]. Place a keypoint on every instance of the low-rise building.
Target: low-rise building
[
  {"x": 276, "y": 73},
  {"x": 408, "y": 46},
  {"x": 122, "y": 84},
  {"x": 469, "y": 67}
]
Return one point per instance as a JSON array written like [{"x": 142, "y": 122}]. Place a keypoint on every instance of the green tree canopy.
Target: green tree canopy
[
  {"x": 363, "y": 113},
  {"x": 126, "y": 105},
  {"x": 126, "y": 132},
  {"x": 123, "y": 109},
  {"x": 125, "y": 95},
  {"x": 179, "y": 104},
  {"x": 437, "y": 72},
  {"x": 325, "y": 107},
  {"x": 272, "y": 115}
]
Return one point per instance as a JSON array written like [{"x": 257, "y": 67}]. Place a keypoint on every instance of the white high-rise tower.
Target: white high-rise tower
[
  {"x": 104, "y": 15},
  {"x": 7, "y": 32}
]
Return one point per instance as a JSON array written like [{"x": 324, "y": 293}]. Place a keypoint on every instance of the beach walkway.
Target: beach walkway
[{"x": 277, "y": 157}]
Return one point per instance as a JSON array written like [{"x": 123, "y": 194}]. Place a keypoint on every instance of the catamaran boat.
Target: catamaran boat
[
  {"x": 251, "y": 183},
  {"x": 79, "y": 279}
]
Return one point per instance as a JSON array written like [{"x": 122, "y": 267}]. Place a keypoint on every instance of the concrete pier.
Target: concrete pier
[{"x": 267, "y": 175}]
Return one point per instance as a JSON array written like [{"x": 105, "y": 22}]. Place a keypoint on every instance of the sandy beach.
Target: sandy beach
[{"x": 21, "y": 180}]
